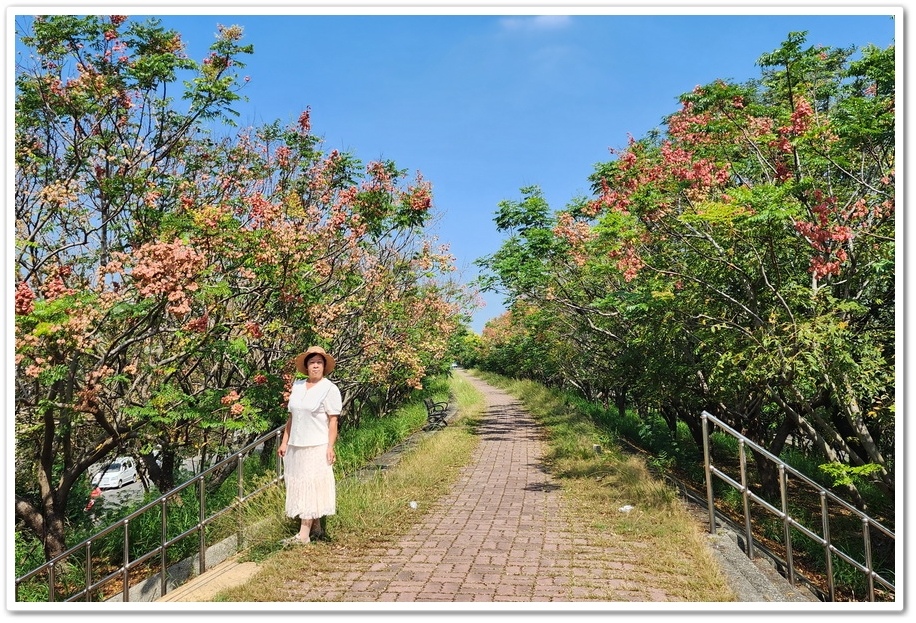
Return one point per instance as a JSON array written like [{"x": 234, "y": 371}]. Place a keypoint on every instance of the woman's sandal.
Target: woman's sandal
[{"x": 294, "y": 540}]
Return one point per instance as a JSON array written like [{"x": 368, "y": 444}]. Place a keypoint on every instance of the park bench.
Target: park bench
[{"x": 436, "y": 412}]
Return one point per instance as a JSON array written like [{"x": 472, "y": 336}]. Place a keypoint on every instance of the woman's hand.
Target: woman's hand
[
  {"x": 281, "y": 449},
  {"x": 331, "y": 456}
]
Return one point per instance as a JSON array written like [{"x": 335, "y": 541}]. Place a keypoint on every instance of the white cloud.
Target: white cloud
[{"x": 536, "y": 23}]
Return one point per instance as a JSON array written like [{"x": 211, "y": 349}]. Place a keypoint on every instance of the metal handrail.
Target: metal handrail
[
  {"x": 748, "y": 496},
  {"x": 204, "y": 520}
]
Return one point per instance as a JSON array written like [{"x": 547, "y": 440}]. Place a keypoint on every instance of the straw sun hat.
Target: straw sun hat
[{"x": 329, "y": 361}]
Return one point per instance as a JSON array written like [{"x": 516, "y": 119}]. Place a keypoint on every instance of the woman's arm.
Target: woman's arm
[
  {"x": 332, "y": 438},
  {"x": 281, "y": 450}
]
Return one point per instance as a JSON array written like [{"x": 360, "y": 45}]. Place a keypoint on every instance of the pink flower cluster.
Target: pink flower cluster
[
  {"x": 168, "y": 269},
  {"x": 577, "y": 234},
  {"x": 340, "y": 210},
  {"x": 305, "y": 120},
  {"x": 825, "y": 237},
  {"x": 88, "y": 396},
  {"x": 628, "y": 262},
  {"x": 54, "y": 287},
  {"x": 420, "y": 196},
  {"x": 262, "y": 211},
  {"x": 217, "y": 61},
  {"x": 684, "y": 126},
  {"x": 700, "y": 172},
  {"x": 610, "y": 199},
  {"x": 199, "y": 325},
  {"x": 802, "y": 117},
  {"x": 380, "y": 178},
  {"x": 25, "y": 299},
  {"x": 231, "y": 400},
  {"x": 283, "y": 155}
]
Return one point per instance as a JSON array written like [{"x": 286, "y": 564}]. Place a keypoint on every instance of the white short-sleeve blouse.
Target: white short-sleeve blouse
[{"x": 309, "y": 410}]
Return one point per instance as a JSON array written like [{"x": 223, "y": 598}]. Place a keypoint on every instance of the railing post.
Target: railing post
[
  {"x": 52, "y": 581},
  {"x": 164, "y": 536},
  {"x": 125, "y": 573},
  {"x": 866, "y": 535},
  {"x": 825, "y": 521},
  {"x": 744, "y": 496},
  {"x": 202, "y": 533},
  {"x": 707, "y": 462},
  {"x": 240, "y": 523},
  {"x": 786, "y": 521},
  {"x": 280, "y": 464},
  {"x": 88, "y": 568}
]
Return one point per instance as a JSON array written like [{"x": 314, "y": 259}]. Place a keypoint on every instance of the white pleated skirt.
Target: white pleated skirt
[{"x": 310, "y": 489}]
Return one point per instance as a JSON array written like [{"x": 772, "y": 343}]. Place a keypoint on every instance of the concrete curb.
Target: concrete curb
[
  {"x": 204, "y": 587},
  {"x": 753, "y": 580}
]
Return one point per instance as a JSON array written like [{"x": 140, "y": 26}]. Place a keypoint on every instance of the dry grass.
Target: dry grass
[{"x": 657, "y": 537}]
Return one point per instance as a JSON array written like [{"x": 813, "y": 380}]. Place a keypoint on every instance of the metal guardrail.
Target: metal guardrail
[
  {"x": 826, "y": 497},
  {"x": 91, "y": 584}
]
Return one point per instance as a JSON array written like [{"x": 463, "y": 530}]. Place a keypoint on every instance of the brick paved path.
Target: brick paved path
[
  {"x": 497, "y": 536},
  {"x": 491, "y": 539}
]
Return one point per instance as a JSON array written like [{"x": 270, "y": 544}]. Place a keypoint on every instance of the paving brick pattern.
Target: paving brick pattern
[{"x": 497, "y": 537}]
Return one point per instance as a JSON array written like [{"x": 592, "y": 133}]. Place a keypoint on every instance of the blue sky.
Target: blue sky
[{"x": 484, "y": 103}]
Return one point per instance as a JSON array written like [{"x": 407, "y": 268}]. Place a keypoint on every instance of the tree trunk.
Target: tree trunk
[
  {"x": 850, "y": 406},
  {"x": 620, "y": 401},
  {"x": 55, "y": 541}
]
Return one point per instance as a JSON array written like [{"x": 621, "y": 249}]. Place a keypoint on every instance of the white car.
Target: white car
[{"x": 120, "y": 472}]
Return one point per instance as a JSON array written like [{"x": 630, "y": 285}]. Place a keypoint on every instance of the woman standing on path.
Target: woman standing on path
[{"x": 307, "y": 447}]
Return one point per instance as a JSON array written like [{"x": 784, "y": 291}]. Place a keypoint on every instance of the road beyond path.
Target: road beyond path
[{"x": 498, "y": 537}]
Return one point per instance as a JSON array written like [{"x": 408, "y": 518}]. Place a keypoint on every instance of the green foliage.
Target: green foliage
[
  {"x": 522, "y": 260},
  {"x": 530, "y": 214},
  {"x": 376, "y": 435},
  {"x": 842, "y": 474},
  {"x": 29, "y": 556}
]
